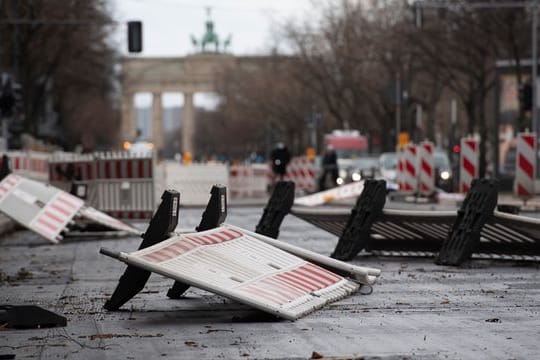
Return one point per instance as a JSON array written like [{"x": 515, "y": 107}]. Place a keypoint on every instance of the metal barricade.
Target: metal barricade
[
  {"x": 248, "y": 181},
  {"x": 31, "y": 164},
  {"x": 194, "y": 181}
]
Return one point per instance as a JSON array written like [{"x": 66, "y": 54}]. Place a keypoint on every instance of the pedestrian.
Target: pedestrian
[
  {"x": 280, "y": 158},
  {"x": 330, "y": 168}
]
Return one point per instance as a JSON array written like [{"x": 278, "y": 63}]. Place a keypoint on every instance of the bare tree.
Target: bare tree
[{"x": 65, "y": 62}]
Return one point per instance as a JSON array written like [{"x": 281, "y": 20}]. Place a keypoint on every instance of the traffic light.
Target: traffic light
[
  {"x": 134, "y": 36},
  {"x": 525, "y": 96}
]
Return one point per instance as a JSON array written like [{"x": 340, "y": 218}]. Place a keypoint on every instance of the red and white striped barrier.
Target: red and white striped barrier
[
  {"x": 426, "y": 168},
  {"x": 125, "y": 185},
  {"x": 31, "y": 164},
  {"x": 250, "y": 270},
  {"x": 120, "y": 184},
  {"x": 409, "y": 170},
  {"x": 468, "y": 163},
  {"x": 525, "y": 165},
  {"x": 248, "y": 181},
  {"x": 48, "y": 210},
  {"x": 302, "y": 171}
]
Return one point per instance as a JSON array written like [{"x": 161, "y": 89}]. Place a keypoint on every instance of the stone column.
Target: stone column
[
  {"x": 128, "y": 120},
  {"x": 188, "y": 124},
  {"x": 157, "y": 120}
]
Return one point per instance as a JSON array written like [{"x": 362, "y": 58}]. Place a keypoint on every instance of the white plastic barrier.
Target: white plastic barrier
[
  {"x": 302, "y": 171},
  {"x": 525, "y": 165},
  {"x": 194, "y": 181},
  {"x": 120, "y": 184},
  {"x": 252, "y": 269},
  {"x": 248, "y": 181},
  {"x": 31, "y": 164},
  {"x": 468, "y": 163}
]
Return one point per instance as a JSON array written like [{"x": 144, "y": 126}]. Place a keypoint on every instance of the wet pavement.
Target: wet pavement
[{"x": 483, "y": 310}]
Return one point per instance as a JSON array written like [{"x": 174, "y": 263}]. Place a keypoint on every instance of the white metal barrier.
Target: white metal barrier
[
  {"x": 119, "y": 183},
  {"x": 31, "y": 164},
  {"x": 193, "y": 181},
  {"x": 525, "y": 165},
  {"x": 248, "y": 181},
  {"x": 468, "y": 163}
]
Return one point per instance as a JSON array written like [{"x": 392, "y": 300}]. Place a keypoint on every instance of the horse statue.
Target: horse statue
[{"x": 210, "y": 38}]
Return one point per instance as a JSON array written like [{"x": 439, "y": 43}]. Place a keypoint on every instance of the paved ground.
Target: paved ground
[{"x": 485, "y": 310}]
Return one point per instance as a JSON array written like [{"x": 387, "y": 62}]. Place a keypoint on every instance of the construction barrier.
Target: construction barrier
[
  {"x": 47, "y": 210},
  {"x": 119, "y": 183},
  {"x": 302, "y": 171},
  {"x": 468, "y": 163},
  {"x": 193, "y": 181},
  {"x": 426, "y": 168},
  {"x": 248, "y": 181},
  {"x": 409, "y": 170},
  {"x": 525, "y": 165},
  {"x": 31, "y": 164},
  {"x": 125, "y": 185}
]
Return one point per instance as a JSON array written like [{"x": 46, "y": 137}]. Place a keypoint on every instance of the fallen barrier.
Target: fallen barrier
[
  {"x": 477, "y": 229},
  {"x": 243, "y": 266},
  {"x": 51, "y": 212}
]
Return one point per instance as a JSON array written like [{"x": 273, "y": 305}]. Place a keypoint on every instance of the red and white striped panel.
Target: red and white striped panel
[
  {"x": 104, "y": 219},
  {"x": 82, "y": 170},
  {"x": 409, "y": 172},
  {"x": 8, "y": 184},
  {"x": 468, "y": 163},
  {"x": 125, "y": 168},
  {"x": 55, "y": 215},
  {"x": 525, "y": 165},
  {"x": 426, "y": 168},
  {"x": 301, "y": 170},
  {"x": 231, "y": 263}
]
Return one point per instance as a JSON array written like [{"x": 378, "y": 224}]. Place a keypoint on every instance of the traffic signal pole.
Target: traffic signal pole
[{"x": 534, "y": 69}]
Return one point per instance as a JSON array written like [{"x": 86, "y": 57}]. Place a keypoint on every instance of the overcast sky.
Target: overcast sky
[{"x": 168, "y": 25}]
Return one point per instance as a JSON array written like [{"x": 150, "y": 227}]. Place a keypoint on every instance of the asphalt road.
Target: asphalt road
[{"x": 484, "y": 310}]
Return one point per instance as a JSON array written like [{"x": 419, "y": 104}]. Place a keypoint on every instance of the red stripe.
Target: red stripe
[
  {"x": 119, "y": 174},
  {"x": 277, "y": 289},
  {"x": 195, "y": 239},
  {"x": 329, "y": 273},
  {"x": 471, "y": 144},
  {"x": 316, "y": 271},
  {"x": 312, "y": 278},
  {"x": 59, "y": 209},
  {"x": 288, "y": 287},
  {"x": 54, "y": 217},
  {"x": 521, "y": 191},
  {"x": 410, "y": 168},
  {"x": 263, "y": 294},
  {"x": 140, "y": 163},
  {"x": 294, "y": 282},
  {"x": 426, "y": 167},
  {"x": 469, "y": 167},
  {"x": 526, "y": 166},
  {"x": 302, "y": 279},
  {"x": 65, "y": 203},
  {"x": 107, "y": 169},
  {"x": 42, "y": 221},
  {"x": 529, "y": 140},
  {"x": 464, "y": 187}
]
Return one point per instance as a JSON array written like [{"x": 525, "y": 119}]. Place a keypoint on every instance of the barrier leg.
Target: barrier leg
[
  {"x": 161, "y": 225},
  {"x": 29, "y": 316},
  {"x": 278, "y": 206},
  {"x": 213, "y": 216},
  {"x": 356, "y": 234},
  {"x": 476, "y": 210},
  {"x": 4, "y": 167}
]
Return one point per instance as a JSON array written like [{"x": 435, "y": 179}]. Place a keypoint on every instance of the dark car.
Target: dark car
[{"x": 444, "y": 178}]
